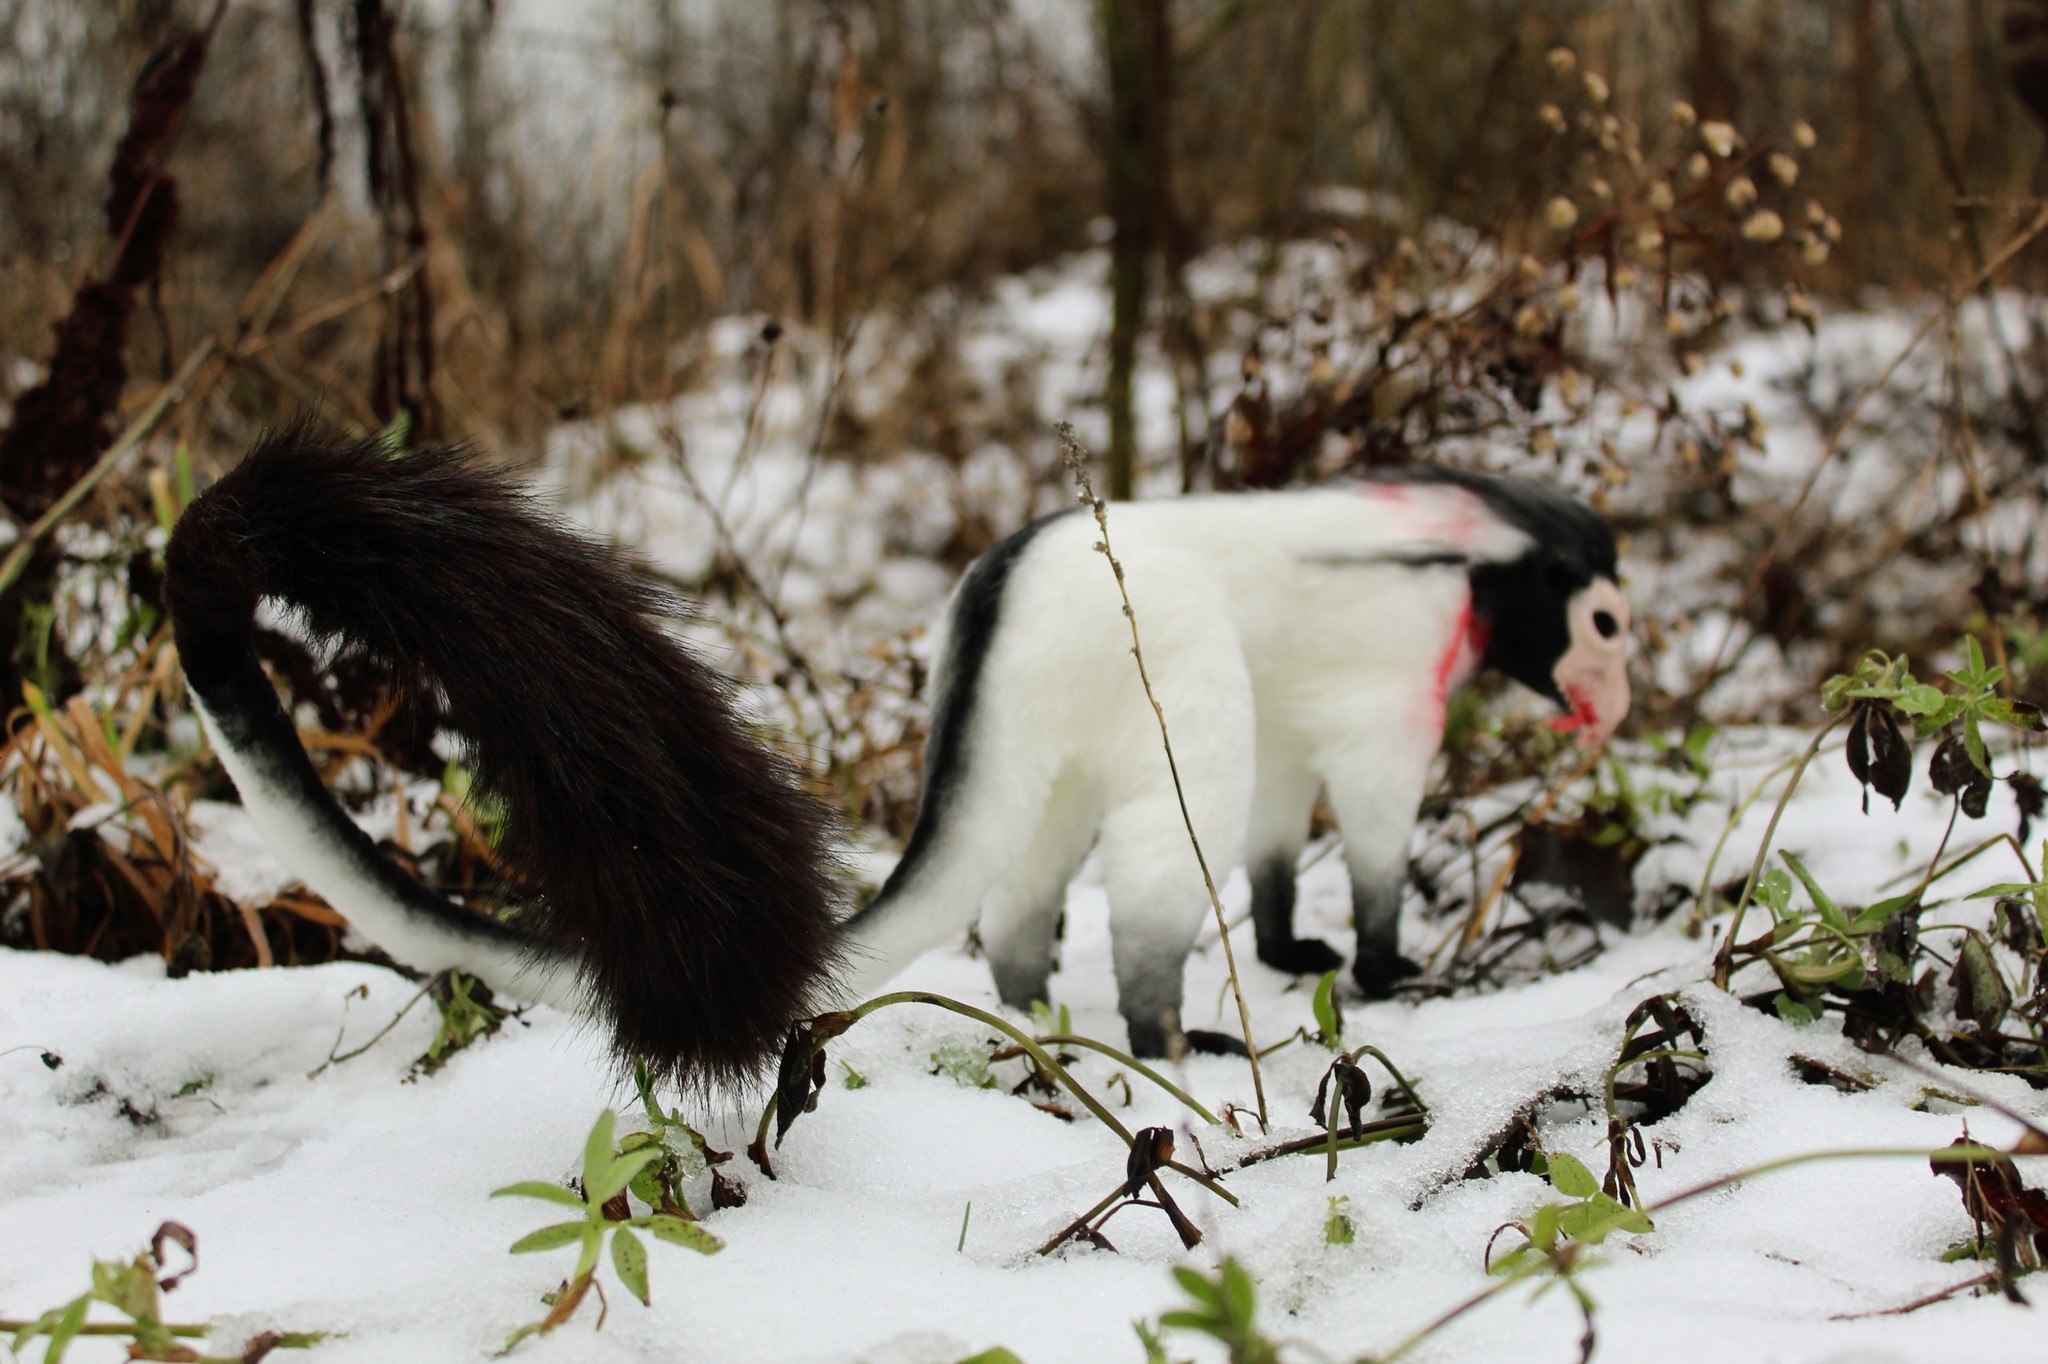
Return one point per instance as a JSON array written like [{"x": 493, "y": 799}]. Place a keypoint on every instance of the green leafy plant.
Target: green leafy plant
[
  {"x": 683, "y": 1154},
  {"x": 1878, "y": 754},
  {"x": 1222, "y": 1307},
  {"x": 468, "y": 1014},
  {"x": 1329, "y": 1013},
  {"x": 1338, "y": 1228},
  {"x": 135, "y": 1289},
  {"x": 602, "y": 1214},
  {"x": 1822, "y": 946}
]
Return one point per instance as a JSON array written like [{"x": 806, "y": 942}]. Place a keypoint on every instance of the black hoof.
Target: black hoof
[
  {"x": 1301, "y": 956},
  {"x": 1215, "y": 1043},
  {"x": 1377, "y": 978}
]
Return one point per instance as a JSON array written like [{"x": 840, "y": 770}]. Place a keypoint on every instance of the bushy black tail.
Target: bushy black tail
[{"x": 669, "y": 855}]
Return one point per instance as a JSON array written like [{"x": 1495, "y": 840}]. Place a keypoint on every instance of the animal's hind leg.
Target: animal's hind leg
[
  {"x": 1282, "y": 801},
  {"x": 1020, "y": 919},
  {"x": 1157, "y": 903}
]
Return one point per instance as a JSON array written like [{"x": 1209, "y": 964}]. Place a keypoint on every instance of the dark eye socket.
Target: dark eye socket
[{"x": 1606, "y": 624}]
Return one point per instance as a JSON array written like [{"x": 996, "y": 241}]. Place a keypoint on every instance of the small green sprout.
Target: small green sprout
[{"x": 606, "y": 1174}]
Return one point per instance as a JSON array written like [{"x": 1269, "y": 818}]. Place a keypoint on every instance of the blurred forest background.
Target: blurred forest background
[{"x": 494, "y": 220}]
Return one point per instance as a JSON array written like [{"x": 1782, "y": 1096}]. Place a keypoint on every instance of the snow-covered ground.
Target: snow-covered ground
[
  {"x": 350, "y": 1200},
  {"x": 354, "y": 1202}
]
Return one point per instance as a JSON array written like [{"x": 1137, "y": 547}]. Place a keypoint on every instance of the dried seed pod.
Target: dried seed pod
[{"x": 1763, "y": 226}]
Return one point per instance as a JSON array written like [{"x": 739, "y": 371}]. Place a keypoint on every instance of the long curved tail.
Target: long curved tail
[{"x": 680, "y": 885}]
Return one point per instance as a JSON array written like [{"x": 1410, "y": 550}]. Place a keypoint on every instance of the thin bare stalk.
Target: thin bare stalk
[
  {"x": 1045, "y": 1059},
  {"x": 1076, "y": 457},
  {"x": 1724, "y": 960},
  {"x": 1741, "y": 808},
  {"x": 1126, "y": 1059},
  {"x": 137, "y": 431},
  {"x": 2005, "y": 254}
]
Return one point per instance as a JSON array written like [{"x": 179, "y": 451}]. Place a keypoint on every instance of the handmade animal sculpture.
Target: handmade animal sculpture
[
  {"x": 1296, "y": 641},
  {"x": 679, "y": 884}
]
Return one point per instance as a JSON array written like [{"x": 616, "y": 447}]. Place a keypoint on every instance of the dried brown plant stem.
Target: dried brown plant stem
[
  {"x": 138, "y": 431},
  {"x": 1476, "y": 921},
  {"x": 1984, "y": 1280},
  {"x": 2003, "y": 257},
  {"x": 1076, "y": 457}
]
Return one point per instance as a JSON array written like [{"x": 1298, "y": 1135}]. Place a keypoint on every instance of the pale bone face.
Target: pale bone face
[{"x": 1592, "y": 675}]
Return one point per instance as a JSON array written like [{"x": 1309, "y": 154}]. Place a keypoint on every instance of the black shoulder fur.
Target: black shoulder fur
[{"x": 666, "y": 849}]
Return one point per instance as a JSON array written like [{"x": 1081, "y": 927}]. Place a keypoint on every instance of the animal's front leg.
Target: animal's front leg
[
  {"x": 1282, "y": 801},
  {"x": 1375, "y": 798}
]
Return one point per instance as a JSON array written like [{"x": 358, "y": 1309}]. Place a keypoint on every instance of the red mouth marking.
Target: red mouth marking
[{"x": 1583, "y": 715}]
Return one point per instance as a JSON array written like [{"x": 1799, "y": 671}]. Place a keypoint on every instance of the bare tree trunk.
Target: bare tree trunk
[
  {"x": 1712, "y": 86},
  {"x": 1137, "y": 52},
  {"x": 1862, "y": 135}
]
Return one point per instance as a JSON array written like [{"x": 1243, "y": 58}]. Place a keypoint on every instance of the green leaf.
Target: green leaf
[
  {"x": 677, "y": 1232},
  {"x": 66, "y": 1328},
  {"x": 1543, "y": 1232},
  {"x": 1516, "y": 1262},
  {"x": 1570, "y": 1177},
  {"x": 1792, "y": 1010},
  {"x": 597, "y": 1154},
  {"x": 550, "y": 1238},
  {"x": 1973, "y": 740},
  {"x": 1774, "y": 892},
  {"x": 629, "y": 1258},
  {"x": 1829, "y": 911},
  {"x": 1239, "y": 1298},
  {"x": 1976, "y": 651},
  {"x": 1920, "y": 699},
  {"x": 1328, "y": 1025},
  {"x": 1591, "y": 1222},
  {"x": 593, "y": 1241},
  {"x": 1337, "y": 1226},
  {"x": 1874, "y": 918},
  {"x": 619, "y": 1174},
  {"x": 534, "y": 1188},
  {"x": 998, "y": 1355},
  {"x": 1196, "y": 1287},
  {"x": 127, "y": 1286},
  {"x": 2008, "y": 888}
]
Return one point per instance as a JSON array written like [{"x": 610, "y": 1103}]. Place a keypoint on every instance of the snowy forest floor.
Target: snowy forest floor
[{"x": 355, "y": 1202}]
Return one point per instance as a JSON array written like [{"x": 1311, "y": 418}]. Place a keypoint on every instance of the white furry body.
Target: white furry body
[{"x": 1294, "y": 641}]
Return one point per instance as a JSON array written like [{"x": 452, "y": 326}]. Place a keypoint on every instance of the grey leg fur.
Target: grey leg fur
[
  {"x": 1376, "y": 910},
  {"x": 1150, "y": 963},
  {"x": 1020, "y": 918}
]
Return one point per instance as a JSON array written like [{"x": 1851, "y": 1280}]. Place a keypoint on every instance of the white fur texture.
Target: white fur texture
[
  {"x": 300, "y": 837},
  {"x": 1293, "y": 641}
]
